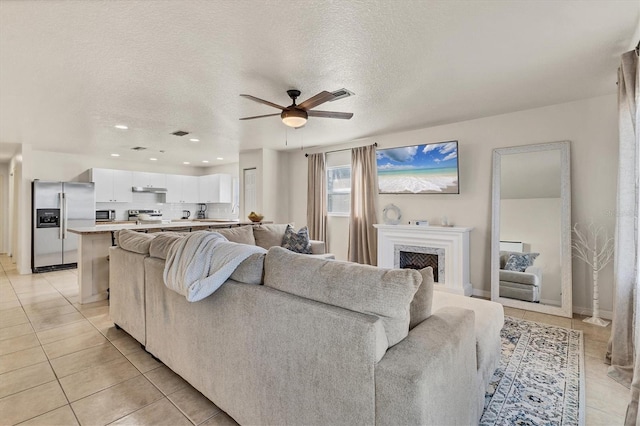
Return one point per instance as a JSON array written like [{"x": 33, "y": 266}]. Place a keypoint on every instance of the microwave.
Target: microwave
[{"x": 105, "y": 215}]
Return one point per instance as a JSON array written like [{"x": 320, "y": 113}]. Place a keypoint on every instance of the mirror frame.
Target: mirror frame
[{"x": 566, "y": 307}]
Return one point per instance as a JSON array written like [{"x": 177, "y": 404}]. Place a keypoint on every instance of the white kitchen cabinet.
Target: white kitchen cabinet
[
  {"x": 182, "y": 189},
  {"x": 191, "y": 189},
  {"x": 215, "y": 188},
  {"x": 112, "y": 186},
  {"x": 149, "y": 180}
]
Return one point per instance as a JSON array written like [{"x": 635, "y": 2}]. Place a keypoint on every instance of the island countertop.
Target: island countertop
[{"x": 192, "y": 225}]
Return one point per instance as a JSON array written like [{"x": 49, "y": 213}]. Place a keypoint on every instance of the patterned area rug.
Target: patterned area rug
[{"x": 540, "y": 380}]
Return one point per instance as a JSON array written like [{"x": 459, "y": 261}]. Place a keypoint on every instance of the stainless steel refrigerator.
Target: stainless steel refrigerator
[{"x": 58, "y": 206}]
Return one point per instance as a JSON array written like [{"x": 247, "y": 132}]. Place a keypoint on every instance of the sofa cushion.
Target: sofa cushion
[
  {"x": 250, "y": 271},
  {"x": 162, "y": 243},
  {"x": 423, "y": 299},
  {"x": 241, "y": 234},
  {"x": 137, "y": 242},
  {"x": 297, "y": 242},
  {"x": 386, "y": 293},
  {"x": 269, "y": 235}
]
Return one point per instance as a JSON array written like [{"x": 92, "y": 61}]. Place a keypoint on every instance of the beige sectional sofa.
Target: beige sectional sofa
[
  {"x": 127, "y": 296},
  {"x": 319, "y": 342}
]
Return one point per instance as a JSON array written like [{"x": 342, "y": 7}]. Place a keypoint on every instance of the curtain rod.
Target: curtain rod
[{"x": 338, "y": 150}]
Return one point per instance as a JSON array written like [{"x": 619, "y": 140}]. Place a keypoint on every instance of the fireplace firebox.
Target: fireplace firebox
[{"x": 418, "y": 257}]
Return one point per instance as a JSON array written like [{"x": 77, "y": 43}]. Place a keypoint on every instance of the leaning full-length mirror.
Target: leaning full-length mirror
[{"x": 531, "y": 235}]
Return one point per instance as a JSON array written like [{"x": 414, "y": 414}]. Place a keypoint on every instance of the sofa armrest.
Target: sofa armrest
[
  {"x": 535, "y": 270},
  {"x": 317, "y": 247},
  {"x": 521, "y": 277},
  {"x": 430, "y": 377}
]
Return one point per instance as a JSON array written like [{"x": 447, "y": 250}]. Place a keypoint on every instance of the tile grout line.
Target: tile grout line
[{"x": 57, "y": 379}]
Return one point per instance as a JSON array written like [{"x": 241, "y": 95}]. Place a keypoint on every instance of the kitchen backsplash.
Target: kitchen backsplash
[{"x": 149, "y": 201}]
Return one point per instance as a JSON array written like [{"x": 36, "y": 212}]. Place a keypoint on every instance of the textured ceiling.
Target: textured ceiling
[{"x": 71, "y": 70}]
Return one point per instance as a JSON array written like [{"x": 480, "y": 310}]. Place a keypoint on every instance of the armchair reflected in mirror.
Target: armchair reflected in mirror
[{"x": 531, "y": 232}]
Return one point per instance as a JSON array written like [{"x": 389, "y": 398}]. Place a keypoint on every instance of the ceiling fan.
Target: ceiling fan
[{"x": 296, "y": 115}]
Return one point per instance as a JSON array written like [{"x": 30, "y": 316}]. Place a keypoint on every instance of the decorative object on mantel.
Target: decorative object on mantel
[
  {"x": 255, "y": 217},
  {"x": 585, "y": 246},
  {"x": 391, "y": 214}
]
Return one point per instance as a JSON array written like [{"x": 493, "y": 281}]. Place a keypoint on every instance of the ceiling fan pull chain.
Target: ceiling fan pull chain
[{"x": 286, "y": 136}]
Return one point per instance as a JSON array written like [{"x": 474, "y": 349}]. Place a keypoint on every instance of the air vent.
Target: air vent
[
  {"x": 139, "y": 148},
  {"x": 342, "y": 93},
  {"x": 180, "y": 133}
]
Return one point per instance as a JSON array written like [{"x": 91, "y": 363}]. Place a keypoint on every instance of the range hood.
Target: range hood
[{"x": 149, "y": 189}]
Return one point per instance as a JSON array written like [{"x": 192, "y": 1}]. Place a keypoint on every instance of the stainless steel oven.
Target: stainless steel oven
[{"x": 105, "y": 215}]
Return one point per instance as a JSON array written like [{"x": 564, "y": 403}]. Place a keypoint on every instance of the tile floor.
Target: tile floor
[{"x": 62, "y": 363}]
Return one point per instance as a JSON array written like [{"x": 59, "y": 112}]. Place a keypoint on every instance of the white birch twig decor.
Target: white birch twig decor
[{"x": 594, "y": 247}]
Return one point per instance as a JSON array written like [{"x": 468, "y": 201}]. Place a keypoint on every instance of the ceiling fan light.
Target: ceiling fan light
[{"x": 294, "y": 117}]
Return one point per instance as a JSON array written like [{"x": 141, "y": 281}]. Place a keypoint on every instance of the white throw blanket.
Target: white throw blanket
[{"x": 199, "y": 264}]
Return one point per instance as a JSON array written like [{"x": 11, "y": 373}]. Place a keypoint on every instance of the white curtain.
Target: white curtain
[
  {"x": 363, "y": 240},
  {"x": 317, "y": 197},
  {"x": 624, "y": 346}
]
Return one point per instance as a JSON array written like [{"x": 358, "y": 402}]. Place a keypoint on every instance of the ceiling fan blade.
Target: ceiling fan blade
[
  {"x": 316, "y": 100},
  {"x": 330, "y": 114},
  {"x": 259, "y": 116},
  {"x": 262, "y": 101}
]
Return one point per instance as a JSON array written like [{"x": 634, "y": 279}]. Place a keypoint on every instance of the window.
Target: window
[{"x": 338, "y": 190}]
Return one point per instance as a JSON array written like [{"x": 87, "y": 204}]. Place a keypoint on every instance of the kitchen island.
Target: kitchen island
[{"x": 94, "y": 243}]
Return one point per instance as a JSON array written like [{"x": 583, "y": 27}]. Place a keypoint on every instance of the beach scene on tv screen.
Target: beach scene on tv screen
[{"x": 419, "y": 169}]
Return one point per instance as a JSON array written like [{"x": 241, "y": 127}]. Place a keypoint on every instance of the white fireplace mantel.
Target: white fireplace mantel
[{"x": 453, "y": 240}]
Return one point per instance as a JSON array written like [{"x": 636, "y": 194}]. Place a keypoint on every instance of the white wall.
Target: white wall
[
  {"x": 536, "y": 223},
  {"x": 272, "y": 186},
  {"x": 4, "y": 207},
  {"x": 251, "y": 160},
  {"x": 590, "y": 125},
  {"x": 21, "y": 166},
  {"x": 230, "y": 169}
]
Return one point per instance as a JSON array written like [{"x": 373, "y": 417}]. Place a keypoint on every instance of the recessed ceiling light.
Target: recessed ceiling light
[
  {"x": 153, "y": 159},
  {"x": 205, "y": 161},
  {"x": 219, "y": 158},
  {"x": 186, "y": 162},
  {"x": 194, "y": 140},
  {"x": 121, "y": 126},
  {"x": 115, "y": 155}
]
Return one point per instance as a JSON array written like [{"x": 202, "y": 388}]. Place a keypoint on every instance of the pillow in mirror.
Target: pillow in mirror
[{"x": 520, "y": 262}]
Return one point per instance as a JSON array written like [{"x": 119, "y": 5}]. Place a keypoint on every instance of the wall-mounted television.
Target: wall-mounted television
[{"x": 419, "y": 169}]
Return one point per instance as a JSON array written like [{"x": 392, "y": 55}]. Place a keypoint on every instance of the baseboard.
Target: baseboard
[
  {"x": 576, "y": 309},
  {"x": 588, "y": 312},
  {"x": 481, "y": 293}
]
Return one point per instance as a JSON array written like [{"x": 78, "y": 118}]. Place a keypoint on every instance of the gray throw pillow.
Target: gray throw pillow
[
  {"x": 297, "y": 242},
  {"x": 520, "y": 262}
]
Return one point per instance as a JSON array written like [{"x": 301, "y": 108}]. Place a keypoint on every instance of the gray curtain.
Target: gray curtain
[
  {"x": 317, "y": 197},
  {"x": 623, "y": 349},
  {"x": 363, "y": 240}
]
